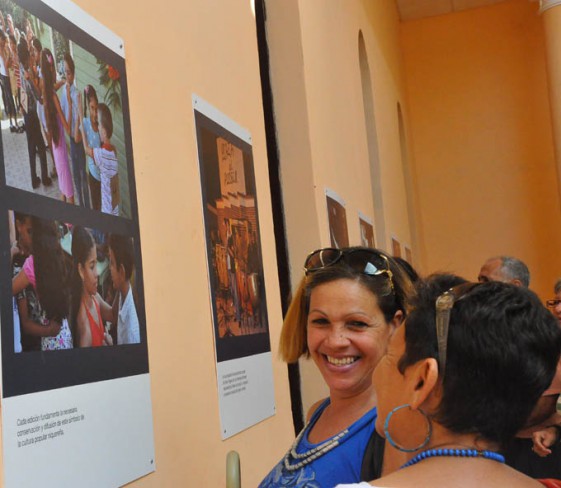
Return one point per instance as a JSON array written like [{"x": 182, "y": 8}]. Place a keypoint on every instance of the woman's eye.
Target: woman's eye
[
  {"x": 320, "y": 321},
  {"x": 358, "y": 324}
]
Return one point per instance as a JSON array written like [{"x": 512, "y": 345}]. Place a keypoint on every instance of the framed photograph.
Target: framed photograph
[
  {"x": 235, "y": 269},
  {"x": 337, "y": 219},
  {"x": 73, "y": 322},
  {"x": 366, "y": 231},
  {"x": 396, "y": 247}
]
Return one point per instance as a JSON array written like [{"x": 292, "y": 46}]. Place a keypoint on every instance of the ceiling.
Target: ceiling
[{"x": 417, "y": 9}]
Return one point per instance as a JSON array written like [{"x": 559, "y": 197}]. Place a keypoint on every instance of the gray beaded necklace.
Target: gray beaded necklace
[{"x": 303, "y": 458}]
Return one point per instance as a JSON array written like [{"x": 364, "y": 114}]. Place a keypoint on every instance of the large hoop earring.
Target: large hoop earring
[{"x": 395, "y": 444}]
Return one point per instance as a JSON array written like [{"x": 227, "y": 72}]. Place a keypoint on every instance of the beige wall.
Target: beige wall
[
  {"x": 477, "y": 125},
  {"x": 321, "y": 129},
  {"x": 482, "y": 139},
  {"x": 173, "y": 49}
]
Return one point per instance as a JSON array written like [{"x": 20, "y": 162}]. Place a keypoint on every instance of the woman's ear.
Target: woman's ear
[
  {"x": 423, "y": 376},
  {"x": 396, "y": 321},
  {"x": 81, "y": 270}
]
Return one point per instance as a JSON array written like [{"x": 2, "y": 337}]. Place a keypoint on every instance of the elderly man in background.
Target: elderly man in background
[
  {"x": 506, "y": 269},
  {"x": 521, "y": 454}
]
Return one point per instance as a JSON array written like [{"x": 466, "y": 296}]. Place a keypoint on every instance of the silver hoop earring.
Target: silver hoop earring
[{"x": 395, "y": 444}]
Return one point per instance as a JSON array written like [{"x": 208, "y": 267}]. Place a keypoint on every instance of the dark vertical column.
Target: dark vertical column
[{"x": 277, "y": 200}]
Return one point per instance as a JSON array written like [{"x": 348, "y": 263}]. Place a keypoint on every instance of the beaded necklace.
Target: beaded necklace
[
  {"x": 307, "y": 457},
  {"x": 474, "y": 453}
]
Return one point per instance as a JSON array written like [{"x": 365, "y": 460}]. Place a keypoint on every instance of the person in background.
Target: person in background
[
  {"x": 7, "y": 98},
  {"x": 45, "y": 270},
  {"x": 519, "y": 453},
  {"x": 70, "y": 104},
  {"x": 88, "y": 310},
  {"x": 57, "y": 124},
  {"x": 35, "y": 142},
  {"x": 506, "y": 269},
  {"x": 546, "y": 441},
  {"x": 105, "y": 159},
  {"x": 91, "y": 134},
  {"x": 121, "y": 259}
]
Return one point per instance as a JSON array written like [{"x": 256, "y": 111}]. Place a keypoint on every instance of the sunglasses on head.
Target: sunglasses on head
[
  {"x": 444, "y": 305},
  {"x": 366, "y": 261}
]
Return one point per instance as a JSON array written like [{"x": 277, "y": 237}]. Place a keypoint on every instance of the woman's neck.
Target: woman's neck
[
  {"x": 358, "y": 403},
  {"x": 342, "y": 412},
  {"x": 443, "y": 438},
  {"x": 87, "y": 299}
]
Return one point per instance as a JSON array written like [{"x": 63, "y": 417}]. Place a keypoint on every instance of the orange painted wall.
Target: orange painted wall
[
  {"x": 319, "y": 109},
  {"x": 172, "y": 50},
  {"x": 482, "y": 140}
]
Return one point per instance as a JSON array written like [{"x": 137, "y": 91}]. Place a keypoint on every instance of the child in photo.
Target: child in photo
[
  {"x": 7, "y": 98},
  {"x": 69, "y": 102},
  {"x": 88, "y": 310},
  {"x": 45, "y": 270},
  {"x": 121, "y": 259},
  {"x": 105, "y": 158},
  {"x": 57, "y": 124},
  {"x": 29, "y": 97},
  {"x": 91, "y": 130},
  {"x": 15, "y": 77}
]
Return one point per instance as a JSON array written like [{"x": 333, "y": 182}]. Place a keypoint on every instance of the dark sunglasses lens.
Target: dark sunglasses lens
[
  {"x": 367, "y": 262},
  {"x": 322, "y": 258}
]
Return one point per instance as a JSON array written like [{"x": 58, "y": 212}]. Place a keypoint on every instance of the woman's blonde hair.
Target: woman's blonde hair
[
  {"x": 293, "y": 340},
  {"x": 293, "y": 343}
]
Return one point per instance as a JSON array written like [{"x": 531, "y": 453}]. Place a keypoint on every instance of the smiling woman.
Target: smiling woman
[{"x": 345, "y": 310}]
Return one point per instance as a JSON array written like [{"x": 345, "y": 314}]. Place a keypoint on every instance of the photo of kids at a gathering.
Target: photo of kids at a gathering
[
  {"x": 72, "y": 286},
  {"x": 62, "y": 122}
]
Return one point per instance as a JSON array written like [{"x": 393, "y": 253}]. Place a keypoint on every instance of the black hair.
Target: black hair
[
  {"x": 36, "y": 43},
  {"x": 105, "y": 119},
  {"x": 69, "y": 61},
  {"x": 89, "y": 93},
  {"x": 123, "y": 251},
  {"x": 47, "y": 72},
  {"x": 23, "y": 53},
  {"x": 503, "y": 349},
  {"x": 51, "y": 271},
  {"x": 82, "y": 243},
  {"x": 408, "y": 268}
]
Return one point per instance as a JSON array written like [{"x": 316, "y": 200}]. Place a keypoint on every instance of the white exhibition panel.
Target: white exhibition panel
[{"x": 93, "y": 435}]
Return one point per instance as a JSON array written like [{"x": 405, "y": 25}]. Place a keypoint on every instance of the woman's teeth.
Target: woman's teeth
[{"x": 341, "y": 361}]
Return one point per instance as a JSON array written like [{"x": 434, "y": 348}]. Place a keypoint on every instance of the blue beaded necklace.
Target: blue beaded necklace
[{"x": 494, "y": 456}]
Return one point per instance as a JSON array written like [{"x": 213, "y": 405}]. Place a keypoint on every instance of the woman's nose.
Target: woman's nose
[{"x": 338, "y": 337}]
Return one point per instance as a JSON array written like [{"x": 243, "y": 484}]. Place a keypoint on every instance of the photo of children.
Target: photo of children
[
  {"x": 73, "y": 286},
  {"x": 72, "y": 318},
  {"x": 68, "y": 104}
]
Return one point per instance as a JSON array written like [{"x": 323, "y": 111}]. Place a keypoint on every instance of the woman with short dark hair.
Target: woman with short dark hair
[{"x": 460, "y": 379}]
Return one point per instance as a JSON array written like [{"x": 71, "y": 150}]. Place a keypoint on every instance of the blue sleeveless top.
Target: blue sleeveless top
[{"x": 341, "y": 464}]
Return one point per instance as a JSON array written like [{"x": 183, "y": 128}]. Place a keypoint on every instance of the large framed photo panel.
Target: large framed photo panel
[
  {"x": 75, "y": 380},
  {"x": 235, "y": 269}
]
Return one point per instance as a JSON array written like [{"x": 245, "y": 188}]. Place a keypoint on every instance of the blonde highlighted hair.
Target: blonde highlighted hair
[{"x": 293, "y": 343}]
